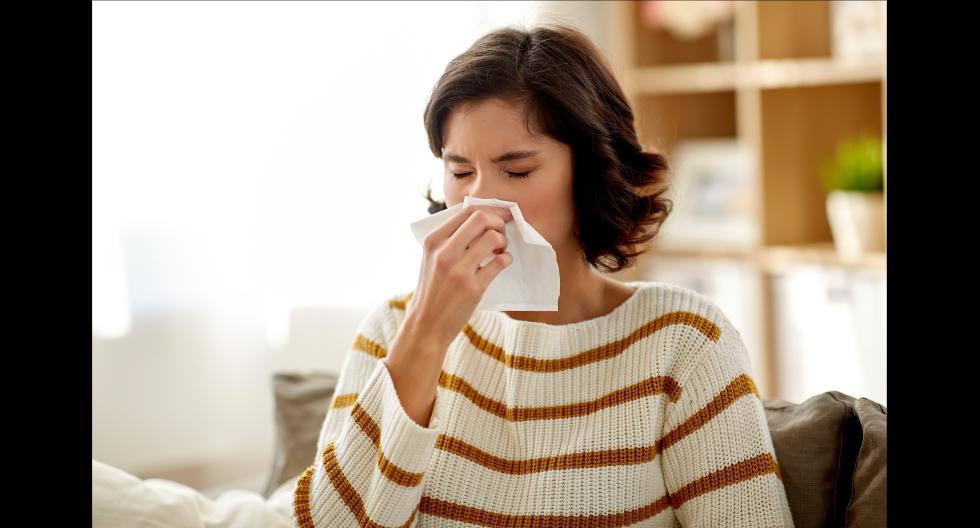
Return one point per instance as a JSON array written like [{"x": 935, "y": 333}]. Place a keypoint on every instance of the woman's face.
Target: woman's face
[{"x": 477, "y": 134}]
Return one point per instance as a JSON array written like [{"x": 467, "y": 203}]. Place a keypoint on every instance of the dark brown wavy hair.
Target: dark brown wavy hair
[{"x": 568, "y": 92}]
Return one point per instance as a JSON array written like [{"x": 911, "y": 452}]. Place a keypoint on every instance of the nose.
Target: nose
[{"x": 481, "y": 186}]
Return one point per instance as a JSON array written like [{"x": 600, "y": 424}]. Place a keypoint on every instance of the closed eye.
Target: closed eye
[{"x": 460, "y": 175}]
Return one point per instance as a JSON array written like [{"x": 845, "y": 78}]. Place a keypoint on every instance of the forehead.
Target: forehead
[{"x": 488, "y": 127}]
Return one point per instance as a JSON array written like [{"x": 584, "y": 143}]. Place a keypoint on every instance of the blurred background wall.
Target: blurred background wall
[{"x": 256, "y": 166}]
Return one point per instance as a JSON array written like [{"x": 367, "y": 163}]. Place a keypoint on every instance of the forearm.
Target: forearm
[{"x": 415, "y": 364}]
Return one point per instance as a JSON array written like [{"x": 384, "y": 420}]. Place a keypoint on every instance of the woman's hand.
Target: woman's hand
[
  {"x": 451, "y": 281},
  {"x": 451, "y": 284}
]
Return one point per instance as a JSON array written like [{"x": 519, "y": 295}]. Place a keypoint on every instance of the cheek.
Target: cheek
[
  {"x": 451, "y": 191},
  {"x": 553, "y": 219},
  {"x": 550, "y": 208}
]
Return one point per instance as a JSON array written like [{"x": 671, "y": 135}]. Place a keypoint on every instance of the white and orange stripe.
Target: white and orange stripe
[{"x": 647, "y": 416}]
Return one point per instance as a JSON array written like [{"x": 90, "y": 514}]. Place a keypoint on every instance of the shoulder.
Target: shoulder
[
  {"x": 685, "y": 305},
  {"x": 384, "y": 316},
  {"x": 695, "y": 323}
]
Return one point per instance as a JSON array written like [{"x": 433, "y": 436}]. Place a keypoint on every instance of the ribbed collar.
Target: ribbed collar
[{"x": 497, "y": 323}]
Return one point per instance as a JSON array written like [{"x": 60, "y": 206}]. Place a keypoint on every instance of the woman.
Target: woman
[{"x": 633, "y": 404}]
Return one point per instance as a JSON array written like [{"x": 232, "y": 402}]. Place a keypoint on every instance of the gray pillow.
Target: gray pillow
[
  {"x": 301, "y": 403},
  {"x": 868, "y": 504},
  {"x": 832, "y": 472}
]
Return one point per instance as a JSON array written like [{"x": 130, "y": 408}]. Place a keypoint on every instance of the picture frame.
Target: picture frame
[{"x": 713, "y": 193}]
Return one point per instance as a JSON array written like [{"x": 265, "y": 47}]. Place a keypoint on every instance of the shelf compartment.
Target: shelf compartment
[
  {"x": 665, "y": 119},
  {"x": 801, "y": 129},
  {"x": 654, "y": 46}
]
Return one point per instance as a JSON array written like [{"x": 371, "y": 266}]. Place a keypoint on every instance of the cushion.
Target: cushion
[
  {"x": 820, "y": 446},
  {"x": 122, "y": 500},
  {"x": 301, "y": 403},
  {"x": 868, "y": 504}
]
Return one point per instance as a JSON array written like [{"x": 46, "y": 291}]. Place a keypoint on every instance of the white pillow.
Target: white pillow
[{"x": 122, "y": 500}]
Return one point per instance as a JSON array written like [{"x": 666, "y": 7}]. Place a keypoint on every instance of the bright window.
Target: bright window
[{"x": 257, "y": 156}]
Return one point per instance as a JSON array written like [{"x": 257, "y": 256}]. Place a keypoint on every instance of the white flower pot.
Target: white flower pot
[{"x": 857, "y": 222}]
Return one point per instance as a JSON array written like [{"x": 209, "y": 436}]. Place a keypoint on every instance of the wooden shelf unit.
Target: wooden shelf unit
[{"x": 767, "y": 77}]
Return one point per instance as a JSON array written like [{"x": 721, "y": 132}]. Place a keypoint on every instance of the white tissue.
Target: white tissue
[{"x": 531, "y": 282}]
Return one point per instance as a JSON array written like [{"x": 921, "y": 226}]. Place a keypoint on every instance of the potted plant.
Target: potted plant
[{"x": 855, "y": 199}]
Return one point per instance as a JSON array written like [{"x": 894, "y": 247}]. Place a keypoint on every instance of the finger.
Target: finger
[
  {"x": 488, "y": 273},
  {"x": 492, "y": 241},
  {"x": 453, "y": 224},
  {"x": 472, "y": 229}
]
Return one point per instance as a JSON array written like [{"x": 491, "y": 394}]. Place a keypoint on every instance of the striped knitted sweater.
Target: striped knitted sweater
[{"x": 645, "y": 416}]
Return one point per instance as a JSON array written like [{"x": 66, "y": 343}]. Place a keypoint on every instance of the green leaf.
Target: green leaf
[{"x": 857, "y": 167}]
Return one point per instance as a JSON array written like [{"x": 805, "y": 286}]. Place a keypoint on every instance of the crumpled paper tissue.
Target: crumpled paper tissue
[{"x": 531, "y": 282}]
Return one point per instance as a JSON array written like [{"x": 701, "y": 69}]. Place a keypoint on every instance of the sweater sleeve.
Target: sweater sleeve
[
  {"x": 719, "y": 463},
  {"x": 371, "y": 456}
]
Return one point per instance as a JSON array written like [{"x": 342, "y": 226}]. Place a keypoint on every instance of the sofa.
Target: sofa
[{"x": 831, "y": 448}]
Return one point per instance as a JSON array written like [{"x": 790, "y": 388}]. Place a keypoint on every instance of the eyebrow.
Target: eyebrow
[{"x": 508, "y": 156}]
